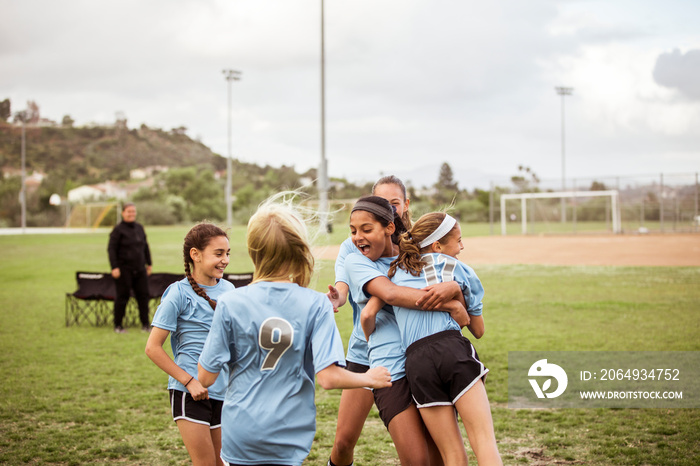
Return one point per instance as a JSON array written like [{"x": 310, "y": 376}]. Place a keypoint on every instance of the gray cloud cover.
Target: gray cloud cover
[
  {"x": 680, "y": 71},
  {"x": 409, "y": 83}
]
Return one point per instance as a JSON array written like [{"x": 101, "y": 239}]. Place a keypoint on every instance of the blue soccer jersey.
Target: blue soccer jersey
[
  {"x": 346, "y": 247},
  {"x": 384, "y": 346},
  {"x": 274, "y": 337},
  {"x": 414, "y": 324},
  {"x": 188, "y": 318},
  {"x": 357, "y": 345}
]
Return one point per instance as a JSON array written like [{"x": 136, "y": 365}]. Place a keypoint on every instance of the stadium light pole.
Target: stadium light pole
[
  {"x": 563, "y": 92},
  {"x": 229, "y": 75},
  {"x": 23, "y": 189},
  {"x": 323, "y": 167}
]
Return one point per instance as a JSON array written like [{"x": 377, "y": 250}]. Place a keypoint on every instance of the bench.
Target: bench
[{"x": 93, "y": 301}]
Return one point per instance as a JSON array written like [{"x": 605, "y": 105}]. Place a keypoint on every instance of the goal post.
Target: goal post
[
  {"x": 524, "y": 197},
  {"x": 92, "y": 214}
]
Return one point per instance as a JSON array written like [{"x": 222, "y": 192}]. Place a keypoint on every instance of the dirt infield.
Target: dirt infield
[{"x": 651, "y": 250}]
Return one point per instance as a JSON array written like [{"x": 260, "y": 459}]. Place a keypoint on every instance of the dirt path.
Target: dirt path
[{"x": 659, "y": 250}]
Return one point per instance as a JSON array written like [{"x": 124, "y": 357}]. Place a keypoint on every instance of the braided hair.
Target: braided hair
[{"x": 198, "y": 237}]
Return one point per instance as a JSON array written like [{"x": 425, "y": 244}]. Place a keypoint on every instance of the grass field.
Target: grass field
[{"x": 81, "y": 395}]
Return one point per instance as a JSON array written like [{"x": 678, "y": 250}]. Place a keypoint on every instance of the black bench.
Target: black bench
[{"x": 93, "y": 301}]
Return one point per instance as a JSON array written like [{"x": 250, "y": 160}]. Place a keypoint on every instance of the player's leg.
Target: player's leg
[
  {"x": 215, "y": 423},
  {"x": 194, "y": 419},
  {"x": 433, "y": 451},
  {"x": 441, "y": 422},
  {"x": 408, "y": 434},
  {"x": 475, "y": 411},
  {"x": 199, "y": 443},
  {"x": 355, "y": 405},
  {"x": 399, "y": 414},
  {"x": 216, "y": 441}
]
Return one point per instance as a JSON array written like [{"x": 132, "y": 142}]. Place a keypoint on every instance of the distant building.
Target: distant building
[
  {"x": 96, "y": 192},
  {"x": 146, "y": 172},
  {"x": 32, "y": 181}
]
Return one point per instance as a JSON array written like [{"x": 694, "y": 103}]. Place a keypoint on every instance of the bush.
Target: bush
[
  {"x": 155, "y": 213},
  {"x": 471, "y": 210}
]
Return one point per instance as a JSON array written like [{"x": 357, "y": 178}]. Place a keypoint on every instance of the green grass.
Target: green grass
[{"x": 77, "y": 395}]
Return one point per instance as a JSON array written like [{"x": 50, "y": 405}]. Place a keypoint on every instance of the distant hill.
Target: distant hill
[
  {"x": 60, "y": 158},
  {"x": 92, "y": 154}
]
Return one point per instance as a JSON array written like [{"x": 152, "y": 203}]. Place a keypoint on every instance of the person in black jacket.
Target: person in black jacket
[{"x": 130, "y": 259}]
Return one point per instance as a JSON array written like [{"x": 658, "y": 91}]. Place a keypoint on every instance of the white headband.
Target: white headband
[{"x": 445, "y": 227}]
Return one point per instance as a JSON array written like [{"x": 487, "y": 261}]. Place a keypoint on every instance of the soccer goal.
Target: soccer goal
[
  {"x": 93, "y": 214},
  {"x": 574, "y": 208}
]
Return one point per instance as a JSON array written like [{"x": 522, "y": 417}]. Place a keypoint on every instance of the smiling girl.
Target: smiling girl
[
  {"x": 187, "y": 309},
  {"x": 356, "y": 404},
  {"x": 374, "y": 227},
  {"x": 443, "y": 369}
]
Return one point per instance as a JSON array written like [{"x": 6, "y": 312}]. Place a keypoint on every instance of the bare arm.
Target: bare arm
[
  {"x": 395, "y": 295},
  {"x": 410, "y": 298},
  {"x": 476, "y": 326},
  {"x": 438, "y": 294},
  {"x": 337, "y": 377},
  {"x": 205, "y": 377},
  {"x": 458, "y": 312},
  {"x": 155, "y": 351},
  {"x": 368, "y": 315}
]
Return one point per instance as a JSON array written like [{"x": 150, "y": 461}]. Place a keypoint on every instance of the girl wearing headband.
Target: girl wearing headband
[
  {"x": 374, "y": 227},
  {"x": 443, "y": 369},
  {"x": 355, "y": 405}
]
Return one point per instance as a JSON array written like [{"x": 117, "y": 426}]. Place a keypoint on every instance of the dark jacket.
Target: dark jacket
[{"x": 128, "y": 246}]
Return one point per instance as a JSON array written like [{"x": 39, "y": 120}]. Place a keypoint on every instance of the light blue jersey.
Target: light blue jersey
[
  {"x": 346, "y": 247},
  {"x": 188, "y": 317},
  {"x": 358, "y": 351},
  {"x": 274, "y": 337},
  {"x": 385, "y": 348},
  {"x": 415, "y": 325}
]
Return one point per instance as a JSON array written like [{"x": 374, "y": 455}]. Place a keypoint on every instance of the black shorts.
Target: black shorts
[
  {"x": 440, "y": 368},
  {"x": 185, "y": 407},
  {"x": 355, "y": 367},
  {"x": 393, "y": 400}
]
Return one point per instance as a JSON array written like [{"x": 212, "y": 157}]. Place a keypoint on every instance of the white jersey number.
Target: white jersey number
[
  {"x": 276, "y": 336},
  {"x": 430, "y": 270}
]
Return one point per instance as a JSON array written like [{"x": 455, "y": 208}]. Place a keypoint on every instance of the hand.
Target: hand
[
  {"x": 334, "y": 297},
  {"x": 116, "y": 273},
  {"x": 149, "y": 270},
  {"x": 437, "y": 295},
  {"x": 458, "y": 313},
  {"x": 197, "y": 391},
  {"x": 379, "y": 377}
]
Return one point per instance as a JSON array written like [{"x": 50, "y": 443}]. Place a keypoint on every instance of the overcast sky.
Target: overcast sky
[{"x": 410, "y": 84}]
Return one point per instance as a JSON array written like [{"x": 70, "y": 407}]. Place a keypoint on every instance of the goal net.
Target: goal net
[
  {"x": 561, "y": 212},
  {"x": 93, "y": 215}
]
